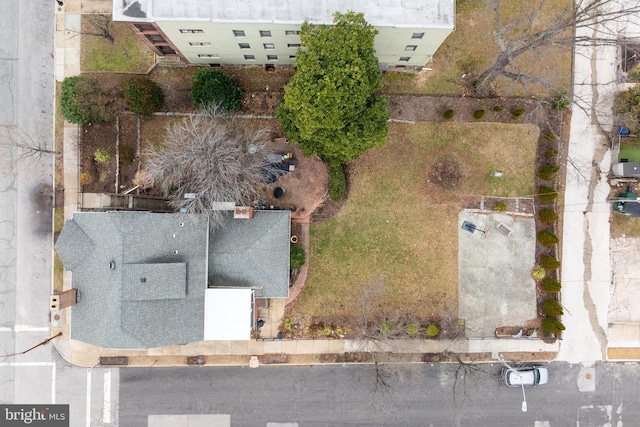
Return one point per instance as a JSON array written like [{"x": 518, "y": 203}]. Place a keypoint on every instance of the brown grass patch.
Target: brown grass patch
[{"x": 401, "y": 229}]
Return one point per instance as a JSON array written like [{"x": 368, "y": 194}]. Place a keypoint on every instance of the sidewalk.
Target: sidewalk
[
  {"x": 67, "y": 51},
  {"x": 309, "y": 352}
]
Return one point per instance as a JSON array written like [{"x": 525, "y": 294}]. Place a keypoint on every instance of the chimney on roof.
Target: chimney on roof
[
  {"x": 243, "y": 212},
  {"x": 64, "y": 299}
]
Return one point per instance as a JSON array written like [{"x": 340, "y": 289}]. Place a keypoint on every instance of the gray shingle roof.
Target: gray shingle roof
[
  {"x": 141, "y": 277},
  {"x": 252, "y": 253},
  {"x": 108, "y": 313}
]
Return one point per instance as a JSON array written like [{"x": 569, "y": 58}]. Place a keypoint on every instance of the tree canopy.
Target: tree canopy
[
  {"x": 204, "y": 160},
  {"x": 331, "y": 107},
  {"x": 627, "y": 108},
  {"x": 81, "y": 100},
  {"x": 541, "y": 26},
  {"x": 215, "y": 87}
]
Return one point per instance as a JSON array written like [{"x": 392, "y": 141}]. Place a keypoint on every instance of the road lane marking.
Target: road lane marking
[
  {"x": 88, "y": 419},
  {"x": 106, "y": 404},
  {"x": 24, "y": 328}
]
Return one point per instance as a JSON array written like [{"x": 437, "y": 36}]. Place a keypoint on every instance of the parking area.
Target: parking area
[
  {"x": 624, "y": 307},
  {"x": 494, "y": 267}
]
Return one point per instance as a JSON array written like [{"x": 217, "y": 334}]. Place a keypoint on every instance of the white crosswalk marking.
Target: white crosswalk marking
[{"x": 106, "y": 405}]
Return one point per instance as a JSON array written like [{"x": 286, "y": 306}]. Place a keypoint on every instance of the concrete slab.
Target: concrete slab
[
  {"x": 624, "y": 306},
  {"x": 223, "y": 347},
  {"x": 272, "y": 346},
  {"x": 494, "y": 270},
  {"x": 255, "y": 348}
]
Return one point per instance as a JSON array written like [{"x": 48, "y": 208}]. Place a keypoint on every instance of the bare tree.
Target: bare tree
[
  {"x": 98, "y": 25},
  {"x": 17, "y": 147},
  {"x": 528, "y": 32},
  {"x": 208, "y": 159}
]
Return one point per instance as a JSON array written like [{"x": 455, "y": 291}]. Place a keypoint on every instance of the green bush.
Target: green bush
[
  {"x": 432, "y": 331},
  {"x": 538, "y": 273},
  {"x": 214, "y": 87},
  {"x": 143, "y": 96},
  {"x": 547, "y": 194},
  {"x": 547, "y": 215},
  {"x": 548, "y": 171},
  {"x": 386, "y": 327},
  {"x": 337, "y": 183},
  {"x": 500, "y": 207},
  {"x": 412, "y": 329},
  {"x": 549, "y": 262},
  {"x": 478, "y": 114},
  {"x": 101, "y": 156},
  {"x": 126, "y": 154},
  {"x": 79, "y": 101},
  {"x": 552, "y": 308},
  {"x": 550, "y": 153},
  {"x": 550, "y": 136},
  {"x": 297, "y": 257},
  {"x": 550, "y": 284},
  {"x": 449, "y": 114},
  {"x": 561, "y": 101},
  {"x": 547, "y": 238},
  {"x": 518, "y": 112},
  {"x": 498, "y": 108},
  {"x": 552, "y": 324}
]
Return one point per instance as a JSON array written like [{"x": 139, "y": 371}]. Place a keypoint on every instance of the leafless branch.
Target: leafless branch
[
  {"x": 585, "y": 23},
  {"x": 18, "y": 147},
  {"x": 208, "y": 159}
]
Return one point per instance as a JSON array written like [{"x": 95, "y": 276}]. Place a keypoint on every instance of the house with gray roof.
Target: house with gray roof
[
  {"x": 259, "y": 32},
  {"x": 148, "y": 280}
]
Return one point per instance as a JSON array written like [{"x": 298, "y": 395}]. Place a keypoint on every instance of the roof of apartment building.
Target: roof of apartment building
[{"x": 406, "y": 13}]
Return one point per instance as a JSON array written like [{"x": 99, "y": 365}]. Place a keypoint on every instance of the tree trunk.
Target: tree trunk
[{"x": 482, "y": 85}]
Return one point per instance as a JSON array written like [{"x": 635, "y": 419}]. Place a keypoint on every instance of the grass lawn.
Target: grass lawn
[
  {"x": 397, "y": 227},
  {"x": 471, "y": 49},
  {"x": 58, "y": 268},
  {"x": 630, "y": 150},
  {"x": 623, "y": 225},
  {"x": 126, "y": 54}
]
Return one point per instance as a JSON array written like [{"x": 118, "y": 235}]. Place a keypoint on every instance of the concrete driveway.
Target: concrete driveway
[
  {"x": 624, "y": 307},
  {"x": 494, "y": 272}
]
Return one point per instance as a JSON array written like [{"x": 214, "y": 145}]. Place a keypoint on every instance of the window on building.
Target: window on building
[
  {"x": 244, "y": 46},
  {"x": 417, "y": 35},
  {"x": 166, "y": 50},
  {"x": 199, "y": 44},
  {"x": 249, "y": 57},
  {"x": 265, "y": 33},
  {"x": 405, "y": 58},
  {"x": 292, "y": 32},
  {"x": 145, "y": 27},
  {"x": 269, "y": 45},
  {"x": 410, "y": 47},
  {"x": 155, "y": 38},
  {"x": 191, "y": 31},
  {"x": 292, "y": 57},
  {"x": 208, "y": 55},
  {"x": 293, "y": 44},
  {"x": 239, "y": 33},
  {"x": 272, "y": 57}
]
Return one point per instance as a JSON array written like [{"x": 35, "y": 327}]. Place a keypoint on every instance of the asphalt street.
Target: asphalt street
[
  {"x": 418, "y": 395},
  {"x": 26, "y": 108}
]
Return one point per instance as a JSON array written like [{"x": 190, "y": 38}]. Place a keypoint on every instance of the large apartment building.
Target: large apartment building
[{"x": 267, "y": 31}]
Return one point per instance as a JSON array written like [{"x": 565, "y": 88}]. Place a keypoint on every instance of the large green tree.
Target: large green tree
[{"x": 331, "y": 107}]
